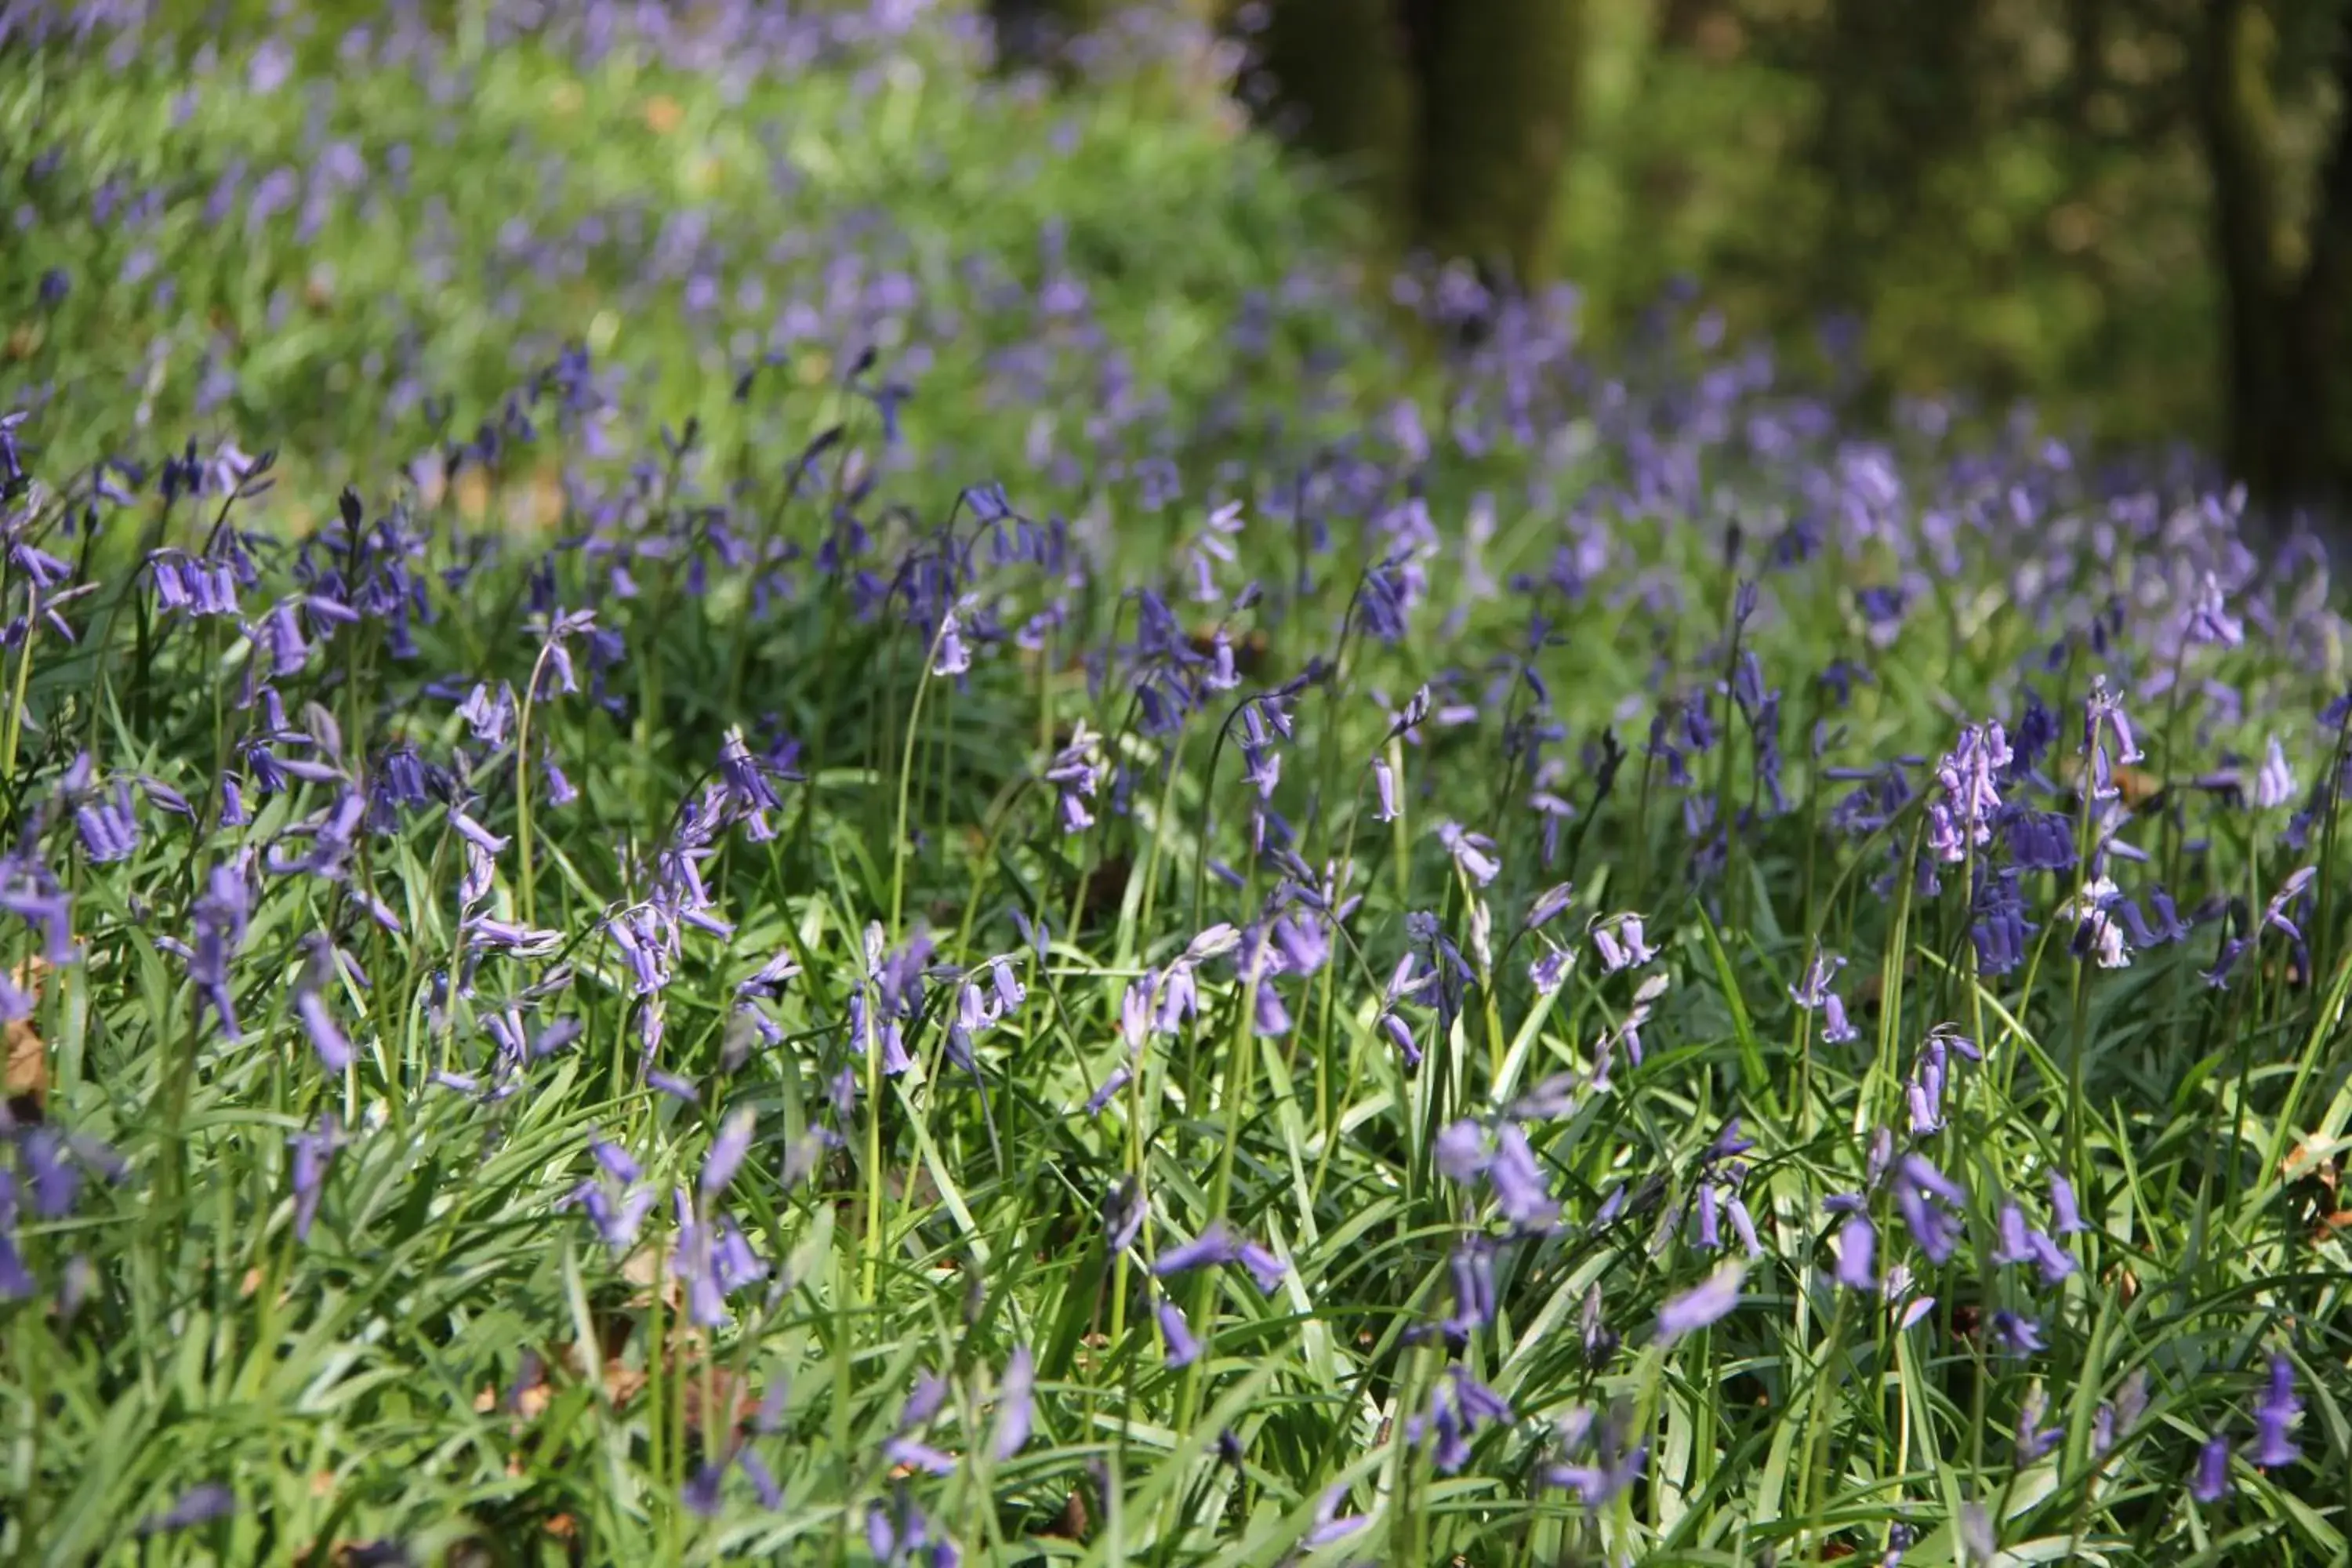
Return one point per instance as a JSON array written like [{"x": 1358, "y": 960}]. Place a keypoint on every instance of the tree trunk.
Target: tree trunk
[
  {"x": 2320, "y": 334},
  {"x": 2237, "y": 120},
  {"x": 1497, "y": 81},
  {"x": 1337, "y": 83},
  {"x": 1899, "y": 96},
  {"x": 1031, "y": 34},
  {"x": 1452, "y": 116}
]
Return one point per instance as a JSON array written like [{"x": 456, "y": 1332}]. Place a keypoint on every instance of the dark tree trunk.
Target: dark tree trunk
[
  {"x": 1453, "y": 115},
  {"x": 2234, "y": 118},
  {"x": 1497, "y": 81},
  {"x": 1033, "y": 33},
  {"x": 1898, "y": 96},
  {"x": 1337, "y": 84},
  {"x": 2320, "y": 339}
]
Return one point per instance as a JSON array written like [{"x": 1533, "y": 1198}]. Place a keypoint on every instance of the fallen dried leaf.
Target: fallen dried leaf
[
  {"x": 26, "y": 1079},
  {"x": 1073, "y": 1522}
]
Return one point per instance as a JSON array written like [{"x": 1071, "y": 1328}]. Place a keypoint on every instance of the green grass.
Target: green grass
[{"x": 450, "y": 1358}]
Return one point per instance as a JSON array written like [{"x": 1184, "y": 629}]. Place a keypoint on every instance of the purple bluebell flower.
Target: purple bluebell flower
[
  {"x": 673, "y": 1084},
  {"x": 1622, "y": 947},
  {"x": 916, "y": 1455},
  {"x": 1593, "y": 1334},
  {"x": 1330, "y": 1525},
  {"x": 2017, "y": 1333},
  {"x": 1218, "y": 1244},
  {"x": 1473, "y": 852},
  {"x": 1929, "y": 1202},
  {"x": 1709, "y": 1218},
  {"x": 727, "y": 1152},
  {"x": 220, "y": 915},
  {"x": 1076, "y": 771},
  {"x": 2273, "y": 781},
  {"x": 1463, "y": 1152},
  {"x": 1472, "y": 1265},
  {"x": 108, "y": 826},
  {"x": 1123, "y": 1211},
  {"x": 2218, "y": 977},
  {"x": 949, "y": 654},
  {"x": 2010, "y": 1226},
  {"x": 700, "y": 1494},
  {"x": 1814, "y": 988},
  {"x": 2211, "y": 1481},
  {"x": 2275, "y": 1416},
  {"x": 1015, "y": 1405},
  {"x": 2117, "y": 1416},
  {"x": 1117, "y": 1079},
  {"x": 1707, "y": 1302},
  {"x": 1458, "y": 1404},
  {"x": 1743, "y": 1226},
  {"x": 1857, "y": 1246},
  {"x": 2066, "y": 1218},
  {"x": 2035, "y": 1440},
  {"x": 762, "y": 1479},
  {"x": 1598, "y": 1484},
  {"x": 1183, "y": 1348},
  {"x": 1399, "y": 1035},
  {"x": 199, "y": 1505},
  {"x": 2275, "y": 913},
  {"x": 1548, "y": 906},
  {"x": 313, "y": 1150},
  {"x": 2108, "y": 740},
  {"x": 1520, "y": 1190},
  {"x": 1970, "y": 774}
]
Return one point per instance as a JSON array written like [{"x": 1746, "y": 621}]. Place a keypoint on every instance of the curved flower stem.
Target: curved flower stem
[
  {"x": 523, "y": 784},
  {"x": 14, "y": 725},
  {"x": 869, "y": 1265}
]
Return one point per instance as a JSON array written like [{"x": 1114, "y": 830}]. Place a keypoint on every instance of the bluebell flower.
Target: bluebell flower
[
  {"x": 1330, "y": 1525},
  {"x": 1183, "y": 1348},
  {"x": 1970, "y": 774},
  {"x": 199, "y": 1505},
  {"x": 1471, "y": 1266},
  {"x": 1473, "y": 852},
  {"x": 2066, "y": 1218},
  {"x": 107, "y": 827},
  {"x": 1548, "y": 906},
  {"x": 2017, "y": 1333},
  {"x": 1707, "y": 1302},
  {"x": 1385, "y": 788},
  {"x": 2108, "y": 740},
  {"x": 726, "y": 1151},
  {"x": 1123, "y": 1211},
  {"x": 2275, "y": 1416},
  {"x": 1519, "y": 1187},
  {"x": 1928, "y": 1202},
  {"x": 1015, "y": 1405},
  {"x": 1857, "y": 1244},
  {"x": 1458, "y": 1404},
  {"x": 1218, "y": 1244},
  {"x": 2035, "y": 1440},
  {"x": 2211, "y": 1481}
]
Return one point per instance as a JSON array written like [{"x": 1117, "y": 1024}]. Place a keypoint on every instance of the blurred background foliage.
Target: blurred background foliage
[{"x": 2135, "y": 214}]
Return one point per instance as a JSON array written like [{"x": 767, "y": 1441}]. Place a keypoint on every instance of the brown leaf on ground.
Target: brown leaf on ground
[
  {"x": 1073, "y": 1522},
  {"x": 26, "y": 1079}
]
